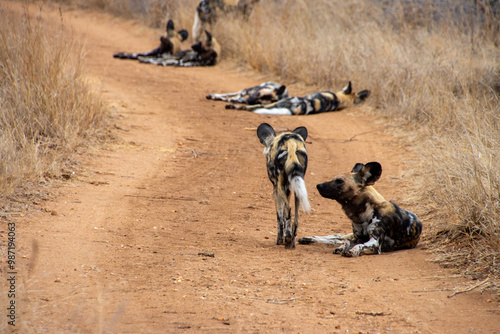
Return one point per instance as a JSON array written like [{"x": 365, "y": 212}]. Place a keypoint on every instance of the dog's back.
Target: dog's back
[{"x": 287, "y": 164}]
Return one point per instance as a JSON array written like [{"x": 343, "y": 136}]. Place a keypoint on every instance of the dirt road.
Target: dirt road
[{"x": 124, "y": 246}]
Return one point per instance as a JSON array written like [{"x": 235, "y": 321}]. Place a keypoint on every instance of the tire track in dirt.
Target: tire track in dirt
[{"x": 188, "y": 177}]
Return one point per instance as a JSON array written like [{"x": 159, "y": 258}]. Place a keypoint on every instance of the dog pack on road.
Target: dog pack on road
[{"x": 377, "y": 224}]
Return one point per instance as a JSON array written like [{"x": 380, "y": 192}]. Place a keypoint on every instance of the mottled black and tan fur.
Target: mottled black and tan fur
[
  {"x": 203, "y": 53},
  {"x": 378, "y": 225},
  {"x": 310, "y": 104},
  {"x": 286, "y": 159},
  {"x": 170, "y": 44},
  {"x": 266, "y": 92}
]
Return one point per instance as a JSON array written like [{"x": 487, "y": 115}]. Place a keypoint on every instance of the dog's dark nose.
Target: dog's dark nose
[{"x": 320, "y": 186}]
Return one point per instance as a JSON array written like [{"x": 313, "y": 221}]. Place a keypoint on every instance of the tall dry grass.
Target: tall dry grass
[
  {"x": 47, "y": 105},
  {"x": 432, "y": 66}
]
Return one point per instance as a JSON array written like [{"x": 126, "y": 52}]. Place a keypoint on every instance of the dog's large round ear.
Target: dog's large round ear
[
  {"x": 184, "y": 34},
  {"x": 363, "y": 95},
  {"x": 357, "y": 167},
  {"x": 170, "y": 25},
  {"x": 371, "y": 172},
  {"x": 301, "y": 131},
  {"x": 281, "y": 90},
  {"x": 347, "y": 89},
  {"x": 209, "y": 36},
  {"x": 266, "y": 134}
]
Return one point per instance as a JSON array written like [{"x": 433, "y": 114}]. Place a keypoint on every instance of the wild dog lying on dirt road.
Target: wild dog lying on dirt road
[
  {"x": 204, "y": 53},
  {"x": 266, "y": 92},
  {"x": 207, "y": 12},
  {"x": 286, "y": 158},
  {"x": 170, "y": 44},
  {"x": 310, "y": 104},
  {"x": 378, "y": 225}
]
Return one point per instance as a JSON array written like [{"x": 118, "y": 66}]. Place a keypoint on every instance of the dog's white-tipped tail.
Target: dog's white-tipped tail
[{"x": 299, "y": 188}]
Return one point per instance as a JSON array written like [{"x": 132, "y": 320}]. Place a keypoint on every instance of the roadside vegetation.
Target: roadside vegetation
[
  {"x": 434, "y": 71},
  {"x": 47, "y": 105}
]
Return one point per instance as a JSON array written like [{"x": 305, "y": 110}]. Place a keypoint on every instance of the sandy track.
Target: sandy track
[{"x": 118, "y": 249}]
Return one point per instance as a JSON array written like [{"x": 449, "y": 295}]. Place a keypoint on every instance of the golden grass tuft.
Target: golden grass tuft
[{"x": 47, "y": 105}]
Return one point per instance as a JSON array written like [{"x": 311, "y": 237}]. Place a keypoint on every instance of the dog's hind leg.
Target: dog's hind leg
[
  {"x": 295, "y": 225},
  {"x": 287, "y": 220},
  {"x": 280, "y": 240}
]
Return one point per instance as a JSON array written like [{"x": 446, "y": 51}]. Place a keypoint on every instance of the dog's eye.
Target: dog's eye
[{"x": 339, "y": 182}]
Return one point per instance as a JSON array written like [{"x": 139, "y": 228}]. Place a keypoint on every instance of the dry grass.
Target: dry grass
[
  {"x": 432, "y": 66},
  {"x": 47, "y": 106}
]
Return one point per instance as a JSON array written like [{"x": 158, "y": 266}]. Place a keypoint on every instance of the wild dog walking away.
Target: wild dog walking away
[
  {"x": 266, "y": 92},
  {"x": 207, "y": 12},
  {"x": 310, "y": 104},
  {"x": 203, "y": 53},
  {"x": 378, "y": 225},
  {"x": 286, "y": 158},
  {"x": 170, "y": 44}
]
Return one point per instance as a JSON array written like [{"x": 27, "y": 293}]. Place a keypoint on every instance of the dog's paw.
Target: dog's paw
[
  {"x": 353, "y": 252},
  {"x": 209, "y": 97},
  {"x": 230, "y": 106},
  {"x": 342, "y": 248}
]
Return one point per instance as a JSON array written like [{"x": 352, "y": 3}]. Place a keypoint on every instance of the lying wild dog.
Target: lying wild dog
[
  {"x": 170, "y": 44},
  {"x": 204, "y": 53},
  {"x": 207, "y": 12},
  {"x": 286, "y": 158},
  {"x": 310, "y": 104},
  {"x": 378, "y": 225},
  {"x": 266, "y": 92}
]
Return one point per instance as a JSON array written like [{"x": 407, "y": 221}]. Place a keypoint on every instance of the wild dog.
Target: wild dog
[
  {"x": 266, "y": 92},
  {"x": 378, "y": 225},
  {"x": 286, "y": 159},
  {"x": 170, "y": 44},
  {"x": 207, "y": 12},
  {"x": 203, "y": 53},
  {"x": 310, "y": 104}
]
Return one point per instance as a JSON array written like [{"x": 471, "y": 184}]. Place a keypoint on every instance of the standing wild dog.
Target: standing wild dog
[
  {"x": 310, "y": 104},
  {"x": 378, "y": 225},
  {"x": 203, "y": 53},
  {"x": 286, "y": 158},
  {"x": 207, "y": 12},
  {"x": 170, "y": 44},
  {"x": 266, "y": 92}
]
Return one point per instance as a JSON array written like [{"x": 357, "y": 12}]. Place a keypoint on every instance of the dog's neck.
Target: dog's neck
[{"x": 362, "y": 207}]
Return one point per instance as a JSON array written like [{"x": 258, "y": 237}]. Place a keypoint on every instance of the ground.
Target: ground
[{"x": 171, "y": 228}]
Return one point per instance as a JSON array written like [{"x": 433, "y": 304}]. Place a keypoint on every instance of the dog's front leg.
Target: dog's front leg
[
  {"x": 335, "y": 239},
  {"x": 247, "y": 108},
  {"x": 372, "y": 246}
]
